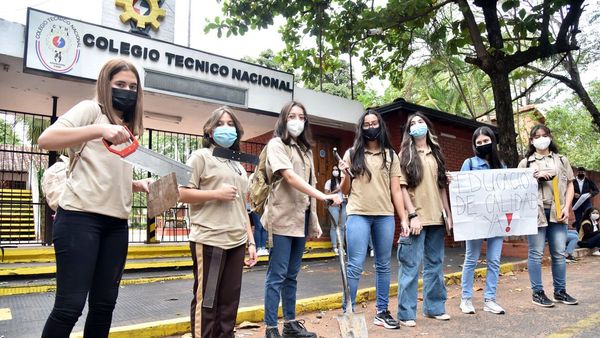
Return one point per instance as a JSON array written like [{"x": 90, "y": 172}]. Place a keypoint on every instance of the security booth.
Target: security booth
[{"x": 52, "y": 62}]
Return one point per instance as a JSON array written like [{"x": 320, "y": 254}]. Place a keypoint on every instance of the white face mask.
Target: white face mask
[
  {"x": 295, "y": 127},
  {"x": 542, "y": 143},
  {"x": 336, "y": 173},
  {"x": 595, "y": 217}
]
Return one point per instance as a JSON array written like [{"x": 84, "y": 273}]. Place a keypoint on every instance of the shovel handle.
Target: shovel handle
[
  {"x": 337, "y": 157},
  {"x": 130, "y": 149}
]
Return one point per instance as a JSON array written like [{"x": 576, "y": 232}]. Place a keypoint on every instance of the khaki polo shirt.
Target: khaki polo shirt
[
  {"x": 218, "y": 223},
  {"x": 100, "y": 182},
  {"x": 556, "y": 165},
  {"x": 285, "y": 207},
  {"x": 373, "y": 197},
  {"x": 426, "y": 197}
]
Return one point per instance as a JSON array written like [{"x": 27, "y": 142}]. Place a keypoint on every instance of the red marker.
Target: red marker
[{"x": 509, "y": 219}]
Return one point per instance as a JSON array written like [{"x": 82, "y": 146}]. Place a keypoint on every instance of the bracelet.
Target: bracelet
[
  {"x": 412, "y": 215},
  {"x": 252, "y": 244}
]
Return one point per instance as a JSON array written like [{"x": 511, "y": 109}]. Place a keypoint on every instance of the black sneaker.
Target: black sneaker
[
  {"x": 386, "y": 320},
  {"x": 570, "y": 259},
  {"x": 539, "y": 298},
  {"x": 296, "y": 329},
  {"x": 563, "y": 297},
  {"x": 272, "y": 332}
]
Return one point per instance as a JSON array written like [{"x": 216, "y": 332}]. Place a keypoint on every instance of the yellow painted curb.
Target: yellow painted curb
[
  {"x": 585, "y": 323},
  {"x": 256, "y": 313},
  {"x": 46, "y": 254},
  {"x": 51, "y": 269}
]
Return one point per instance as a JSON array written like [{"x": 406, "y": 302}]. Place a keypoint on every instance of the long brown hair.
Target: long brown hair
[
  {"x": 410, "y": 160},
  {"x": 213, "y": 122},
  {"x": 104, "y": 95},
  {"x": 359, "y": 165},
  {"x": 305, "y": 139}
]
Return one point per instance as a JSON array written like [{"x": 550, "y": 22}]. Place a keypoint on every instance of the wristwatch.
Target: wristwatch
[{"x": 412, "y": 215}]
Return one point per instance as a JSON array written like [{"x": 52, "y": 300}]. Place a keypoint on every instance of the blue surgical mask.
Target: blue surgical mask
[
  {"x": 418, "y": 130},
  {"x": 225, "y": 136}
]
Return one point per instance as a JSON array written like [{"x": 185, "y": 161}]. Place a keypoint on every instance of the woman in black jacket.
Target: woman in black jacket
[{"x": 589, "y": 232}]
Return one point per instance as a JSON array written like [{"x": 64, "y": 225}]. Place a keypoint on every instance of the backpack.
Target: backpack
[
  {"x": 260, "y": 186},
  {"x": 54, "y": 181}
]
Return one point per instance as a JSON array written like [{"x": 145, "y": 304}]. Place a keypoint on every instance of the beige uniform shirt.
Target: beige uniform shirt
[
  {"x": 218, "y": 223},
  {"x": 285, "y": 207},
  {"x": 374, "y": 197},
  {"x": 426, "y": 196},
  {"x": 555, "y": 165},
  {"x": 100, "y": 181}
]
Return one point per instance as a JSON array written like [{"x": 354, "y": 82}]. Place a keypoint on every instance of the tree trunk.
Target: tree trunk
[
  {"x": 507, "y": 140},
  {"x": 588, "y": 104}
]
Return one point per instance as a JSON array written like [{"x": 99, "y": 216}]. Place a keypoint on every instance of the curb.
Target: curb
[
  {"x": 50, "y": 270},
  {"x": 256, "y": 313}
]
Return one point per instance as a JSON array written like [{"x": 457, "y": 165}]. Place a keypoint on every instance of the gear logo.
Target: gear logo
[
  {"x": 57, "y": 45},
  {"x": 141, "y": 14}
]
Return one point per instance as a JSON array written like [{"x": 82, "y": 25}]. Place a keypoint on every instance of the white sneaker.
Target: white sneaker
[
  {"x": 335, "y": 250},
  {"x": 466, "y": 306},
  {"x": 596, "y": 253},
  {"x": 372, "y": 253},
  {"x": 407, "y": 323},
  {"x": 490, "y": 305},
  {"x": 262, "y": 252}
]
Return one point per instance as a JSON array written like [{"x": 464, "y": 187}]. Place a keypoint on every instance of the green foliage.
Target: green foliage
[
  {"x": 7, "y": 133},
  {"x": 574, "y": 133}
]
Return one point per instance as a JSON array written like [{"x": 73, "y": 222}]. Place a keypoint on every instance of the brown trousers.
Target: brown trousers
[{"x": 215, "y": 303}]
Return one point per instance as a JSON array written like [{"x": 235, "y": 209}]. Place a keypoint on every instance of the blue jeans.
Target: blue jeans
[
  {"x": 335, "y": 214},
  {"x": 556, "y": 234},
  {"x": 427, "y": 247},
  {"x": 285, "y": 258},
  {"x": 493, "y": 253},
  {"x": 260, "y": 234},
  {"x": 359, "y": 229},
  {"x": 572, "y": 238}
]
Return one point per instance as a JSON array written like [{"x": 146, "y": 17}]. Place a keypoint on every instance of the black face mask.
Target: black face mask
[
  {"x": 371, "y": 133},
  {"x": 125, "y": 101},
  {"x": 483, "y": 150},
  {"x": 581, "y": 176}
]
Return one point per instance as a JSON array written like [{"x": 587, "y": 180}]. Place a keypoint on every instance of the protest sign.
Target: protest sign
[{"x": 490, "y": 203}]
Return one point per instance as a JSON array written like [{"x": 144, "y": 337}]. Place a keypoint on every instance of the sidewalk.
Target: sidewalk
[{"x": 522, "y": 318}]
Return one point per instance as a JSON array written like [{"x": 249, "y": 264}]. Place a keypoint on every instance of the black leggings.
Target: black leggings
[{"x": 90, "y": 254}]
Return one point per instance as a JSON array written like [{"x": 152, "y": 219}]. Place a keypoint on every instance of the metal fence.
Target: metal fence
[{"x": 23, "y": 212}]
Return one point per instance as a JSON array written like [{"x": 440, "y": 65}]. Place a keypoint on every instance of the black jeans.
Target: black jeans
[{"x": 90, "y": 254}]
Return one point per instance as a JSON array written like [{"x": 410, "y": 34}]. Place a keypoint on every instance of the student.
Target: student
[
  {"x": 486, "y": 157},
  {"x": 332, "y": 186},
  {"x": 589, "y": 232},
  {"x": 543, "y": 156},
  {"x": 572, "y": 239},
  {"x": 220, "y": 229},
  {"x": 90, "y": 231},
  {"x": 260, "y": 234},
  {"x": 423, "y": 184},
  {"x": 374, "y": 193},
  {"x": 585, "y": 188},
  {"x": 290, "y": 215}
]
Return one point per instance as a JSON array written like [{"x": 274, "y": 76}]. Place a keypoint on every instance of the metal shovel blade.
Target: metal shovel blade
[{"x": 353, "y": 325}]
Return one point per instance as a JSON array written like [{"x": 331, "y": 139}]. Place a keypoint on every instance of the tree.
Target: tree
[
  {"x": 496, "y": 37},
  {"x": 7, "y": 133},
  {"x": 574, "y": 132}
]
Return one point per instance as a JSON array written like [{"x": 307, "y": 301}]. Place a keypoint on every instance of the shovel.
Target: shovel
[{"x": 352, "y": 325}]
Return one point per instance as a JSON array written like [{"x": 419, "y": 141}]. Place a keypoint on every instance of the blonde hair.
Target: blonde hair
[{"x": 104, "y": 95}]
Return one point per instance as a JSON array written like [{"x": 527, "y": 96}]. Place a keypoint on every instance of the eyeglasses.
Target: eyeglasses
[{"x": 370, "y": 125}]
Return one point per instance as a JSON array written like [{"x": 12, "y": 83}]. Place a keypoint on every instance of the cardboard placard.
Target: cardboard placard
[{"x": 164, "y": 194}]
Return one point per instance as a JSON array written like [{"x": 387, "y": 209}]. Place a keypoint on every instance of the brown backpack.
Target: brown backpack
[{"x": 260, "y": 185}]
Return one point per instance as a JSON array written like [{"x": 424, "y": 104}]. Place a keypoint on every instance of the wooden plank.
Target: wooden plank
[{"x": 163, "y": 195}]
